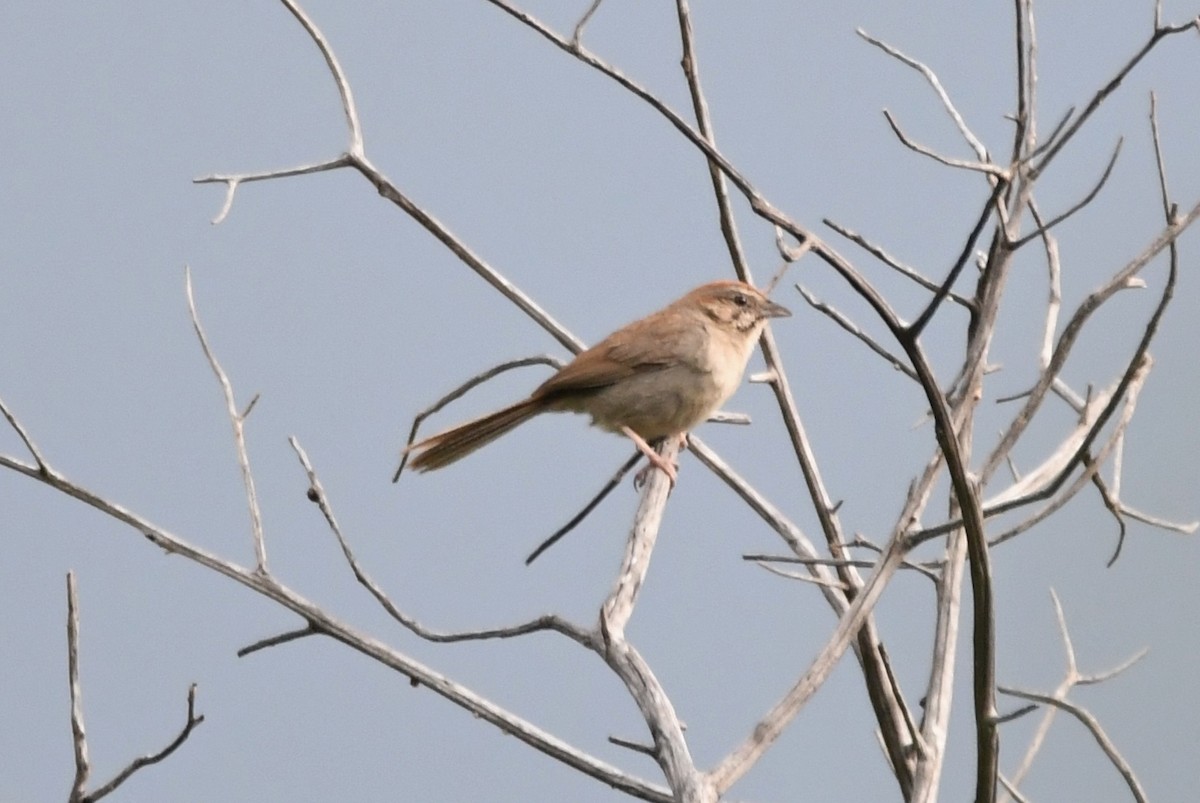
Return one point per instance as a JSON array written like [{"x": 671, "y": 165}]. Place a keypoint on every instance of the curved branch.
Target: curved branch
[
  {"x": 548, "y": 622},
  {"x": 1042, "y": 228}
]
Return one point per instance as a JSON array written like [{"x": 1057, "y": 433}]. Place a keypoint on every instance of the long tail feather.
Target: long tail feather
[{"x": 454, "y": 444}]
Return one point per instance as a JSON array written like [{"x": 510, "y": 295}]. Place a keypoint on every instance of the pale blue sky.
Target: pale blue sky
[{"x": 348, "y": 319}]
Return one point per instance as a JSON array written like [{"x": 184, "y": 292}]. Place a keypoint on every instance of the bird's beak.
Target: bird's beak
[{"x": 773, "y": 310}]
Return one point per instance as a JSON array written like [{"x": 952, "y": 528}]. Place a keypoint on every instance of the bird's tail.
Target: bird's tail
[{"x": 454, "y": 444}]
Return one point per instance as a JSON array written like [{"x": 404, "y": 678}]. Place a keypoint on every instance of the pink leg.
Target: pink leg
[{"x": 654, "y": 457}]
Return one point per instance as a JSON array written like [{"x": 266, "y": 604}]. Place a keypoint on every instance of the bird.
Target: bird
[{"x": 657, "y": 377}]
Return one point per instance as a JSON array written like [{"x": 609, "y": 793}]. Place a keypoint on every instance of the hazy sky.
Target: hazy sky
[{"x": 348, "y": 319}]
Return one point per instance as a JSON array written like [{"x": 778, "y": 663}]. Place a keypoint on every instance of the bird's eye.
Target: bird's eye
[{"x": 740, "y": 299}]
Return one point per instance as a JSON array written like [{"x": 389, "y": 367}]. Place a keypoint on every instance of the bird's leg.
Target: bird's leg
[{"x": 656, "y": 460}]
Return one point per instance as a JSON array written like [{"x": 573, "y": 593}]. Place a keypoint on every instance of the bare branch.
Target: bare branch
[
  {"x": 1159, "y": 162},
  {"x": 78, "y": 733},
  {"x": 789, "y": 253},
  {"x": 237, "y": 421},
  {"x": 851, "y": 327},
  {"x": 637, "y": 747},
  {"x": 145, "y": 761},
  {"x": 618, "y": 607},
  {"x": 1056, "y": 469},
  {"x": 804, "y": 578},
  {"x": 916, "y": 327},
  {"x": 921, "y": 569},
  {"x": 1160, "y": 33},
  {"x": 583, "y": 21},
  {"x": 891, "y": 261},
  {"x": 355, "y": 157},
  {"x": 976, "y": 145},
  {"x": 1059, "y": 127},
  {"x": 1111, "y": 502},
  {"x": 266, "y": 586},
  {"x": 1017, "y": 713},
  {"x": 1184, "y": 527},
  {"x": 34, "y": 452},
  {"x": 966, "y": 489},
  {"x": 79, "y": 793},
  {"x": 1071, "y": 678},
  {"x": 1066, "y": 456},
  {"x": 1093, "y": 725},
  {"x": 670, "y": 748},
  {"x": 234, "y": 180},
  {"x": 1100, "y": 677},
  {"x": 939, "y": 687},
  {"x": 1066, "y": 340},
  {"x": 548, "y": 622},
  {"x": 986, "y": 168},
  {"x": 691, "y": 71},
  {"x": 1012, "y": 790},
  {"x": 869, "y": 644},
  {"x": 741, "y": 759},
  {"x": 339, "y": 77},
  {"x": 275, "y": 641},
  {"x": 1025, "y": 134},
  {"x": 1054, "y": 301},
  {"x": 612, "y": 483},
  {"x": 1042, "y": 228}
]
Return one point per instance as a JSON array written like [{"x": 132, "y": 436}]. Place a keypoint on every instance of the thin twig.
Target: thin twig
[
  {"x": 628, "y": 744},
  {"x": 1160, "y": 32},
  {"x": 237, "y": 421},
  {"x": 34, "y": 452},
  {"x": 612, "y": 483},
  {"x": 282, "y": 638},
  {"x": 981, "y": 152},
  {"x": 1012, "y": 790},
  {"x": 789, "y": 253},
  {"x": 768, "y": 729},
  {"x": 994, "y": 171},
  {"x": 234, "y": 180},
  {"x": 339, "y": 76},
  {"x": 804, "y": 578},
  {"x": 691, "y": 71},
  {"x": 1087, "y": 199},
  {"x": 1054, "y": 282},
  {"x": 1093, "y": 726},
  {"x": 547, "y": 622},
  {"x": 145, "y": 761},
  {"x": 964, "y": 256},
  {"x": 78, "y": 732},
  {"x": 923, "y": 570},
  {"x": 892, "y": 262},
  {"x": 79, "y": 793},
  {"x": 1071, "y": 678},
  {"x": 583, "y": 21},
  {"x": 851, "y": 327}
]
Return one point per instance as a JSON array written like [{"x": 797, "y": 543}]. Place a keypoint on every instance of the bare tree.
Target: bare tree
[{"x": 963, "y": 475}]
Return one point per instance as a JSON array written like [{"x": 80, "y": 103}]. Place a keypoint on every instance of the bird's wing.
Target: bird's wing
[{"x": 628, "y": 351}]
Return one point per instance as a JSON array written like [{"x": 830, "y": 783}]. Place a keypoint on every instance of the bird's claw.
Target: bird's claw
[{"x": 656, "y": 461}]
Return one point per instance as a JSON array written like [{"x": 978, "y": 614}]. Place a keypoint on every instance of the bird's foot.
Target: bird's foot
[{"x": 668, "y": 467}]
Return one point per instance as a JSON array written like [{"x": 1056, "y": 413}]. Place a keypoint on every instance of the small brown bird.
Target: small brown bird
[{"x": 657, "y": 377}]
